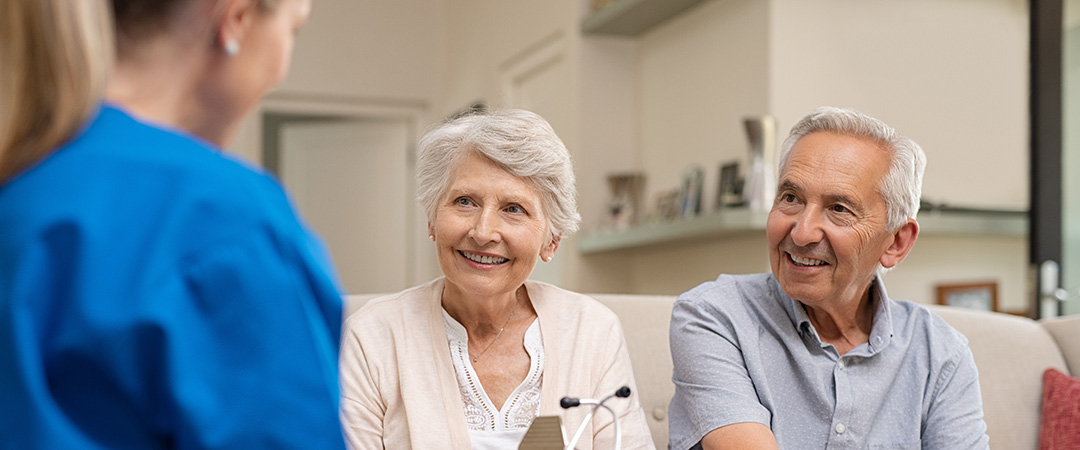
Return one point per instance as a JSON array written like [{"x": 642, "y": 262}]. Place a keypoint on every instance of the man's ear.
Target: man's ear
[
  {"x": 903, "y": 239},
  {"x": 232, "y": 23}
]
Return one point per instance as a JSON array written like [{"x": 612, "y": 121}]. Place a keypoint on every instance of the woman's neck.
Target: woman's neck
[
  {"x": 482, "y": 315},
  {"x": 164, "y": 83}
]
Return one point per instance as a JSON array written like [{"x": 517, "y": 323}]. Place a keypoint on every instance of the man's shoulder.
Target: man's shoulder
[
  {"x": 737, "y": 300},
  {"x": 727, "y": 289},
  {"x": 925, "y": 328}
]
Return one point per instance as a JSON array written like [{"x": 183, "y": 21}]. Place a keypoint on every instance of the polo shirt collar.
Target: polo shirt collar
[{"x": 880, "y": 333}]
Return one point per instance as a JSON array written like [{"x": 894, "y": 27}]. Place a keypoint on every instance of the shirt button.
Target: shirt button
[
  {"x": 840, "y": 428},
  {"x": 841, "y": 364}
]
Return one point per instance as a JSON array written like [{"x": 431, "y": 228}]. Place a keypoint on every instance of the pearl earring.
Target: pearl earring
[
  {"x": 432, "y": 237},
  {"x": 546, "y": 259},
  {"x": 232, "y": 47}
]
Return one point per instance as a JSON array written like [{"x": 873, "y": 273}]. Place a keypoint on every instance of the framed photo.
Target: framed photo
[
  {"x": 729, "y": 189},
  {"x": 978, "y": 296}
]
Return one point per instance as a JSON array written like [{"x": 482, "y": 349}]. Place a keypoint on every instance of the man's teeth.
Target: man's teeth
[
  {"x": 484, "y": 259},
  {"x": 806, "y": 261}
]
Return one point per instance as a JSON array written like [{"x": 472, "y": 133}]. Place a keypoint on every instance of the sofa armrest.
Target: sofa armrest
[
  {"x": 1011, "y": 354},
  {"x": 1066, "y": 331}
]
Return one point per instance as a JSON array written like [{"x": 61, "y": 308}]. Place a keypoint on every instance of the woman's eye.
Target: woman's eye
[
  {"x": 464, "y": 201},
  {"x": 514, "y": 209}
]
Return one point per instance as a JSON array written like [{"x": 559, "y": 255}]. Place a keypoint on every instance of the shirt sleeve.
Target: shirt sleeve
[
  {"x": 250, "y": 356},
  {"x": 955, "y": 416},
  {"x": 712, "y": 384},
  {"x": 362, "y": 410}
]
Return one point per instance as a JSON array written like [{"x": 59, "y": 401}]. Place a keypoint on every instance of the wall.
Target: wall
[
  {"x": 950, "y": 74},
  {"x": 370, "y": 51},
  {"x": 366, "y": 61},
  {"x": 953, "y": 75}
]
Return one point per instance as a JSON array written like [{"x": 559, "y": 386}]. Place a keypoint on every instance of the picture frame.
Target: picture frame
[
  {"x": 978, "y": 296},
  {"x": 691, "y": 192},
  {"x": 729, "y": 187},
  {"x": 624, "y": 199}
]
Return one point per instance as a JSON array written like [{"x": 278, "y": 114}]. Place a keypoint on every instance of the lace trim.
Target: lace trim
[{"x": 521, "y": 407}]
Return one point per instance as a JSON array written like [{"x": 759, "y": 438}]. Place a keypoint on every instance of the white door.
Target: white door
[{"x": 350, "y": 180}]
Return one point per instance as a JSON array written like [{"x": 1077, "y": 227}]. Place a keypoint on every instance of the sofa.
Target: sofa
[{"x": 1011, "y": 354}]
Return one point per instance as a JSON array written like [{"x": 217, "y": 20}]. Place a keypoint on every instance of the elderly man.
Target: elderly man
[{"x": 816, "y": 355}]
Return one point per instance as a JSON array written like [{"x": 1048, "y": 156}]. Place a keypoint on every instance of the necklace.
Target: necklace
[{"x": 511, "y": 316}]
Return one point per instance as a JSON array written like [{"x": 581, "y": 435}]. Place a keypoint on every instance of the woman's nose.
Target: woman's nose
[{"x": 486, "y": 227}]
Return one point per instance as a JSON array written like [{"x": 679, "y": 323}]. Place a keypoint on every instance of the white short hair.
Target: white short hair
[
  {"x": 902, "y": 185},
  {"x": 519, "y": 141}
]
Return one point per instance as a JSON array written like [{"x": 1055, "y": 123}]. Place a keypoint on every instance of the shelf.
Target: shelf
[
  {"x": 973, "y": 222},
  {"x": 708, "y": 226},
  {"x": 632, "y": 17},
  {"x": 741, "y": 221}
]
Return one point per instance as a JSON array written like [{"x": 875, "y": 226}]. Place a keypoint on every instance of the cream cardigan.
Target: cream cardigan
[{"x": 398, "y": 385}]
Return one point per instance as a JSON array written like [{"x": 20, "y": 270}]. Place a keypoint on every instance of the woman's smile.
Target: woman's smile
[{"x": 482, "y": 258}]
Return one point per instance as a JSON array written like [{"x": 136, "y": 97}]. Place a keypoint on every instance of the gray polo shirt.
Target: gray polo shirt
[{"x": 745, "y": 352}]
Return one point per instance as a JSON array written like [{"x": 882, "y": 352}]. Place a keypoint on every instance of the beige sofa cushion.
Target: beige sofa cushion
[{"x": 645, "y": 320}]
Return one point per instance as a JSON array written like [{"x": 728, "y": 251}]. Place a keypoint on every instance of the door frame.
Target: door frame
[
  {"x": 420, "y": 264},
  {"x": 1045, "y": 120}
]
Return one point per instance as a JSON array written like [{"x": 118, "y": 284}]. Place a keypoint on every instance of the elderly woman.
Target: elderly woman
[{"x": 470, "y": 359}]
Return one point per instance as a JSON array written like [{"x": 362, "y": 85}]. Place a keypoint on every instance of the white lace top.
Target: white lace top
[{"x": 485, "y": 422}]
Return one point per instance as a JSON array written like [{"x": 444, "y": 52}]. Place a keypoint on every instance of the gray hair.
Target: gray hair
[
  {"x": 522, "y": 142},
  {"x": 902, "y": 185}
]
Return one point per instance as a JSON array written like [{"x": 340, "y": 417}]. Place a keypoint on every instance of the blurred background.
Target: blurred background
[{"x": 659, "y": 91}]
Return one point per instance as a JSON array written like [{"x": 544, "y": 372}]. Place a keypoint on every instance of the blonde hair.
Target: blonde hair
[{"x": 56, "y": 56}]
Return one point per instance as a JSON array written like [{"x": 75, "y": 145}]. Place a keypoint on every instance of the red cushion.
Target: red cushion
[{"x": 1060, "y": 412}]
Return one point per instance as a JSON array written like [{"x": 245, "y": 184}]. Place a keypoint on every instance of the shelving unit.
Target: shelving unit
[
  {"x": 738, "y": 221},
  {"x": 633, "y": 17}
]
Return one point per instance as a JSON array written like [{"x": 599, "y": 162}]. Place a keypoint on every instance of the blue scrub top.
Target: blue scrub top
[{"x": 155, "y": 293}]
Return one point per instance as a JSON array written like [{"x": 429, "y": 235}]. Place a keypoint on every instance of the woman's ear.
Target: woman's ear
[
  {"x": 232, "y": 24},
  {"x": 548, "y": 251}
]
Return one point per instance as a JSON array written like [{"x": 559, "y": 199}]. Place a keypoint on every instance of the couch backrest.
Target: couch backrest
[
  {"x": 1011, "y": 353},
  {"x": 645, "y": 320}
]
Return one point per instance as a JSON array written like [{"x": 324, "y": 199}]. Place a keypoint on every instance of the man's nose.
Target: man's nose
[{"x": 808, "y": 227}]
